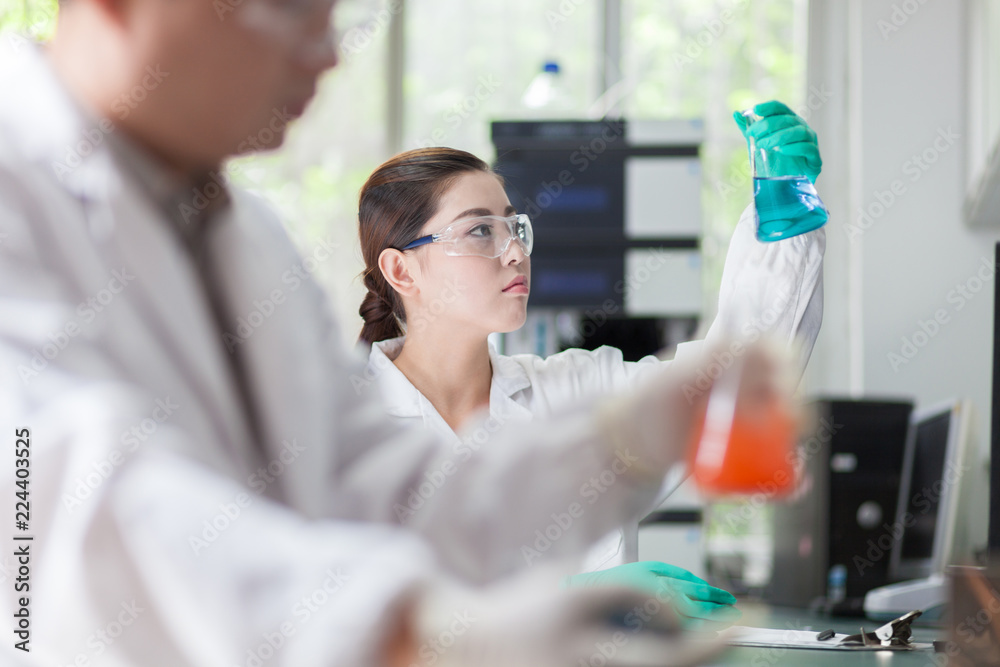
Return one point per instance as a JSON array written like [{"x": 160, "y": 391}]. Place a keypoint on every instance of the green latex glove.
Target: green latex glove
[
  {"x": 794, "y": 143},
  {"x": 699, "y": 605}
]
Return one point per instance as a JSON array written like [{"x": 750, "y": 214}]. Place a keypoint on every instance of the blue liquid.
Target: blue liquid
[{"x": 786, "y": 206}]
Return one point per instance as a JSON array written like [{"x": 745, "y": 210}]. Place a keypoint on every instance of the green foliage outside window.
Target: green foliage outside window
[{"x": 34, "y": 19}]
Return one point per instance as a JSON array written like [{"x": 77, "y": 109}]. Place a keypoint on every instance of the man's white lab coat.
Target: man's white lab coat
[
  {"x": 162, "y": 533},
  {"x": 767, "y": 288}
]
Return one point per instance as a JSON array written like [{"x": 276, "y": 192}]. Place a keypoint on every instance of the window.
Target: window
[
  {"x": 698, "y": 59},
  {"x": 468, "y": 63},
  {"x": 30, "y": 19}
]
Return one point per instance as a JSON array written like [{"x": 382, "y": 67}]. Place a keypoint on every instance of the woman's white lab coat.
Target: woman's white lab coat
[
  {"x": 774, "y": 287},
  {"x": 153, "y": 511}
]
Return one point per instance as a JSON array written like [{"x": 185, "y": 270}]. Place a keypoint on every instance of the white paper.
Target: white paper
[
  {"x": 776, "y": 638},
  {"x": 767, "y": 637}
]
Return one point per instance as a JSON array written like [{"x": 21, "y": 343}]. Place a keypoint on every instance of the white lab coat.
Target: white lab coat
[
  {"x": 773, "y": 287},
  {"x": 157, "y": 523}
]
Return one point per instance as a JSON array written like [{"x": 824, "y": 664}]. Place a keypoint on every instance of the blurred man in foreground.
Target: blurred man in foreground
[{"x": 207, "y": 486}]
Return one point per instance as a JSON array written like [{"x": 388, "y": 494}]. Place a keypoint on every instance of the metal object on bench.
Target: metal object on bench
[{"x": 894, "y": 634}]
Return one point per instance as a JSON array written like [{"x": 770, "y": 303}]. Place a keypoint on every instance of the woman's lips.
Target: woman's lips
[{"x": 518, "y": 285}]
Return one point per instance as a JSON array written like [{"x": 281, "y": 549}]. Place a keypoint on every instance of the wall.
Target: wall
[{"x": 895, "y": 313}]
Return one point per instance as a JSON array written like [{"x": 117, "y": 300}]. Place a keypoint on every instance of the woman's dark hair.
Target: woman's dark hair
[{"x": 396, "y": 201}]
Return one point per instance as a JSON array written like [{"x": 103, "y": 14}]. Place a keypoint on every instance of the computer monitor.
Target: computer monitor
[
  {"x": 994, "y": 516},
  {"x": 934, "y": 463}
]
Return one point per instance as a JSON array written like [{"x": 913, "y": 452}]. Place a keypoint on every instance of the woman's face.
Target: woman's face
[{"x": 476, "y": 293}]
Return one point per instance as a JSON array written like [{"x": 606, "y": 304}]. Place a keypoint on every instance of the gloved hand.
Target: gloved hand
[
  {"x": 796, "y": 151},
  {"x": 699, "y": 605},
  {"x": 524, "y": 622}
]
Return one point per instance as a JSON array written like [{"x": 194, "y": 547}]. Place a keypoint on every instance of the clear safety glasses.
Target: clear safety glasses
[
  {"x": 486, "y": 236},
  {"x": 316, "y": 29}
]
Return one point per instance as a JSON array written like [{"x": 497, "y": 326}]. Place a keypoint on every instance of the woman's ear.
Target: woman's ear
[{"x": 396, "y": 269}]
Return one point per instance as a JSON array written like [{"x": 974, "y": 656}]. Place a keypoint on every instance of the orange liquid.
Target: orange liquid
[{"x": 757, "y": 457}]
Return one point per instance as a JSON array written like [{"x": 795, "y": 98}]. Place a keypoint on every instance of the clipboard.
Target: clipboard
[{"x": 893, "y": 636}]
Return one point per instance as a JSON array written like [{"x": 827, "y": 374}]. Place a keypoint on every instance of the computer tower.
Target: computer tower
[{"x": 833, "y": 537}]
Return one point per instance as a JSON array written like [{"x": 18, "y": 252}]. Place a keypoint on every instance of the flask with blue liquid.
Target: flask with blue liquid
[{"x": 784, "y": 205}]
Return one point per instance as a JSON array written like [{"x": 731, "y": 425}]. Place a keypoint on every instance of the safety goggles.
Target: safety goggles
[
  {"x": 314, "y": 29},
  {"x": 485, "y": 236}
]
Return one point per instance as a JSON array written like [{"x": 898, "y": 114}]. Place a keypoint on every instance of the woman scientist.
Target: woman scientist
[{"x": 448, "y": 256}]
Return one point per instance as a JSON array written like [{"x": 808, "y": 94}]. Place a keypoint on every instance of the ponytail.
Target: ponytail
[{"x": 378, "y": 309}]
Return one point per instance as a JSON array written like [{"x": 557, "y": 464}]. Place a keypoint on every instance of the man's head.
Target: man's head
[{"x": 195, "y": 80}]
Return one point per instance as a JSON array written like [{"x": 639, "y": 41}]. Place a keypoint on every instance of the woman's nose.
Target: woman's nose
[{"x": 514, "y": 252}]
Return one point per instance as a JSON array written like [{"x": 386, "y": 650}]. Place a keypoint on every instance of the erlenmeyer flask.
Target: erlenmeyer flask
[
  {"x": 785, "y": 205},
  {"x": 746, "y": 442}
]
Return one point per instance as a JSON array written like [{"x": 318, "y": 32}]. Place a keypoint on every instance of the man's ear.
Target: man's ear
[
  {"x": 114, "y": 9},
  {"x": 396, "y": 269}
]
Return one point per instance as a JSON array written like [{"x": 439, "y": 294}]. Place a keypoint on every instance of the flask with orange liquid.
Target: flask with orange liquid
[{"x": 746, "y": 442}]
